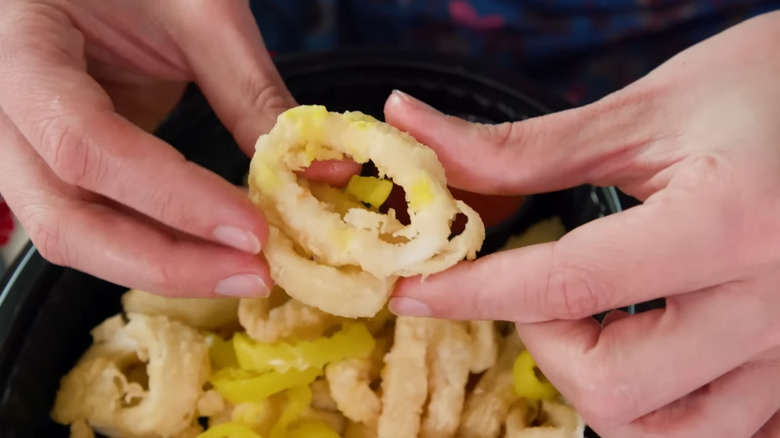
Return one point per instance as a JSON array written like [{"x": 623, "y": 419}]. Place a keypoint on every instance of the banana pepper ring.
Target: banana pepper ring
[
  {"x": 244, "y": 386},
  {"x": 348, "y": 264},
  {"x": 352, "y": 341},
  {"x": 528, "y": 380}
]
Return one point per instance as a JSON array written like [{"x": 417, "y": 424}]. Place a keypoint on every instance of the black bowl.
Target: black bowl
[{"x": 46, "y": 311}]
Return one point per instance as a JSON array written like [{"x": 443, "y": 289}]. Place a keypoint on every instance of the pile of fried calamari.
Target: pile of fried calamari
[{"x": 275, "y": 367}]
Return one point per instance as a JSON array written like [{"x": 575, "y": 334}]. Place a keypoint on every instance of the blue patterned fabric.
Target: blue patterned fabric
[{"x": 582, "y": 49}]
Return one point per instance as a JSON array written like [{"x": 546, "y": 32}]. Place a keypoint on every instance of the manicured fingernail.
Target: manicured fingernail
[
  {"x": 403, "y": 306},
  {"x": 238, "y": 239},
  {"x": 242, "y": 285},
  {"x": 413, "y": 102}
]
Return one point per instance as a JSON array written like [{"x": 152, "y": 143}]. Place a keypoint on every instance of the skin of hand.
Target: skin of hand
[
  {"x": 84, "y": 82},
  {"x": 698, "y": 141}
]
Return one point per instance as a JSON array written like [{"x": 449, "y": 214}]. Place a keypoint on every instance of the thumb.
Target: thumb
[
  {"x": 597, "y": 144},
  {"x": 229, "y": 60}
]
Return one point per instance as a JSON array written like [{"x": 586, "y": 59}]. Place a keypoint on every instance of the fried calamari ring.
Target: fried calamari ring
[
  {"x": 545, "y": 419},
  {"x": 347, "y": 292},
  {"x": 101, "y": 389},
  {"x": 275, "y": 318},
  {"x": 202, "y": 313},
  {"x": 346, "y": 263}
]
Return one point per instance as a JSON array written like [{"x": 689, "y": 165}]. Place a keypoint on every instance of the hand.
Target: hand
[
  {"x": 698, "y": 140},
  {"x": 82, "y": 82}
]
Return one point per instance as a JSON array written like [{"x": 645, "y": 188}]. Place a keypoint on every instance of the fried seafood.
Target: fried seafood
[
  {"x": 321, "y": 396},
  {"x": 350, "y": 386},
  {"x": 174, "y": 366},
  {"x": 546, "y": 419},
  {"x": 449, "y": 361},
  {"x": 80, "y": 429},
  {"x": 380, "y": 377},
  {"x": 202, "y": 313},
  {"x": 488, "y": 403},
  {"x": 278, "y": 317},
  {"x": 405, "y": 380},
  {"x": 484, "y": 345},
  {"x": 210, "y": 403},
  {"x": 348, "y": 263},
  {"x": 547, "y": 230},
  {"x": 297, "y": 371}
]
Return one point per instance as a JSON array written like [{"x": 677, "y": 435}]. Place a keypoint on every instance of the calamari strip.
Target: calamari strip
[
  {"x": 350, "y": 386},
  {"x": 488, "y": 404},
  {"x": 210, "y": 403},
  {"x": 449, "y": 358},
  {"x": 321, "y": 398},
  {"x": 405, "y": 380},
  {"x": 484, "y": 345}
]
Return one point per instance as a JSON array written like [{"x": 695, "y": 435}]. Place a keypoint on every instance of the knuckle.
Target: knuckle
[
  {"x": 262, "y": 99},
  {"x": 165, "y": 209},
  {"x": 22, "y": 18},
  {"x": 46, "y": 234},
  {"x": 265, "y": 95},
  {"x": 501, "y": 135},
  {"x": 65, "y": 147},
  {"x": 575, "y": 291},
  {"x": 600, "y": 399},
  {"x": 166, "y": 278}
]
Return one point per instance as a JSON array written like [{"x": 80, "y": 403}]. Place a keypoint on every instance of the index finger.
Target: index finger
[
  {"x": 70, "y": 121},
  {"x": 615, "y": 261},
  {"x": 232, "y": 67}
]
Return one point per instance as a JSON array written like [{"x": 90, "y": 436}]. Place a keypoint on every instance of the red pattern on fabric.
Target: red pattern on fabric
[{"x": 463, "y": 13}]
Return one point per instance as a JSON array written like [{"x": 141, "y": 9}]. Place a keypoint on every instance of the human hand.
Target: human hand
[
  {"x": 98, "y": 193},
  {"x": 698, "y": 141}
]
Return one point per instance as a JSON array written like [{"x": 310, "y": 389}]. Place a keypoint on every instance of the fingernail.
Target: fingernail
[
  {"x": 238, "y": 239},
  {"x": 403, "y": 306},
  {"x": 242, "y": 285},
  {"x": 415, "y": 103}
]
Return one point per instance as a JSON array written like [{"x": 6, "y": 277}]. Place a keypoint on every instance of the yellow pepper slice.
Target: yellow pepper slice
[
  {"x": 298, "y": 398},
  {"x": 527, "y": 383},
  {"x": 229, "y": 430},
  {"x": 353, "y": 341},
  {"x": 420, "y": 194},
  {"x": 221, "y": 353},
  {"x": 312, "y": 429},
  {"x": 243, "y": 386},
  {"x": 369, "y": 189}
]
